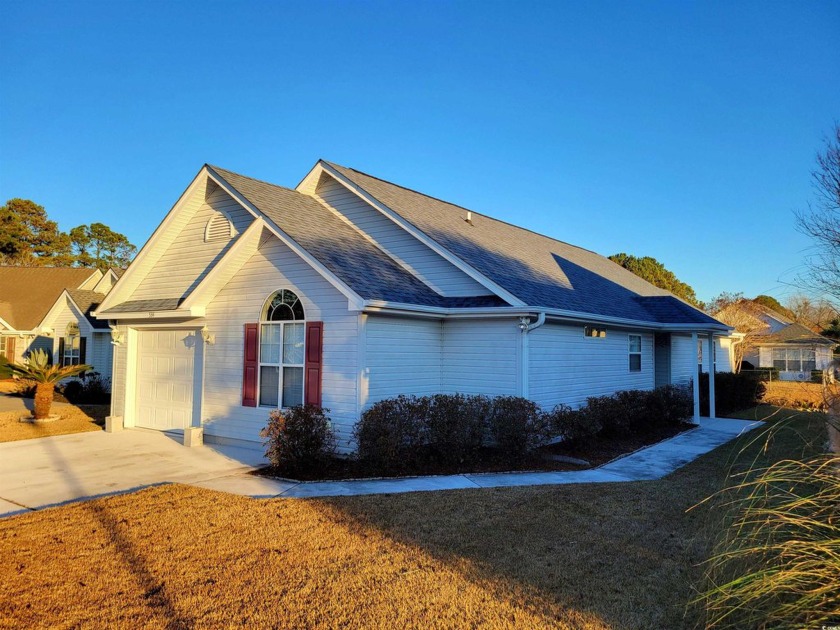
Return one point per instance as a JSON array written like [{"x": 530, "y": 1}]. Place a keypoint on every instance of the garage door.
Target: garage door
[{"x": 165, "y": 372}]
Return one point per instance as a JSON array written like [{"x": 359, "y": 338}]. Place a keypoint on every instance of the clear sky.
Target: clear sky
[{"x": 680, "y": 130}]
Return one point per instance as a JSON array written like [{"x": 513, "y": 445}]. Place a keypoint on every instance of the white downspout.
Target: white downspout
[{"x": 525, "y": 327}]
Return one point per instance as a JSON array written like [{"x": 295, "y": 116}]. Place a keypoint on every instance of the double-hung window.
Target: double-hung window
[
  {"x": 635, "y": 353},
  {"x": 282, "y": 332},
  {"x": 2, "y": 346}
]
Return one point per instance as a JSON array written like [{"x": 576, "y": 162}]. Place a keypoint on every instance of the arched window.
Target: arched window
[{"x": 282, "y": 331}]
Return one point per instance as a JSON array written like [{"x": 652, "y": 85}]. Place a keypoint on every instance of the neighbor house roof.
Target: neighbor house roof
[
  {"x": 795, "y": 333},
  {"x": 540, "y": 271},
  {"x": 87, "y": 301},
  {"x": 28, "y": 293}
]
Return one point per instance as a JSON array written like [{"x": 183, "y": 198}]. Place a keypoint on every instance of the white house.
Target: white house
[
  {"x": 350, "y": 289},
  {"x": 50, "y": 308},
  {"x": 775, "y": 341}
]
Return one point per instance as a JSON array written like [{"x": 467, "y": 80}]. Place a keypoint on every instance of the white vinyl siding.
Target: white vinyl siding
[
  {"x": 119, "y": 375},
  {"x": 100, "y": 353},
  {"x": 190, "y": 257},
  {"x": 481, "y": 357},
  {"x": 427, "y": 265},
  {"x": 568, "y": 367},
  {"x": 683, "y": 359},
  {"x": 98, "y": 345},
  {"x": 241, "y": 301},
  {"x": 403, "y": 357}
]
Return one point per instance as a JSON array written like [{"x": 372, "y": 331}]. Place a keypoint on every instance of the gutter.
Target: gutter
[{"x": 399, "y": 308}]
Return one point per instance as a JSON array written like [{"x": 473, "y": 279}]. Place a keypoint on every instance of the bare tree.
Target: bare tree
[
  {"x": 821, "y": 221},
  {"x": 744, "y": 316},
  {"x": 813, "y": 313}
]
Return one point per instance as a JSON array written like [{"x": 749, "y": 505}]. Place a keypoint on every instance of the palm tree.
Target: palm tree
[{"x": 38, "y": 369}]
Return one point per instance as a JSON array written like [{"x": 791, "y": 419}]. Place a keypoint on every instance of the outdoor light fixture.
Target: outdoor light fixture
[
  {"x": 523, "y": 323},
  {"x": 209, "y": 338},
  {"x": 117, "y": 336}
]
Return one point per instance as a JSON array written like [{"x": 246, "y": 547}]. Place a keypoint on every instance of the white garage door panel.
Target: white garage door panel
[{"x": 165, "y": 373}]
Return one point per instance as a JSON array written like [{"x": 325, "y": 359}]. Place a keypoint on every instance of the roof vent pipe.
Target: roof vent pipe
[{"x": 469, "y": 217}]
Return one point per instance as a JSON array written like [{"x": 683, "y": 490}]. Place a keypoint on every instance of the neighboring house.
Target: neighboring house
[
  {"x": 773, "y": 340},
  {"x": 350, "y": 289},
  {"x": 50, "y": 308}
]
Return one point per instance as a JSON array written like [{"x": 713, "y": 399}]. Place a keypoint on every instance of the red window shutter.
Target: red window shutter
[
  {"x": 251, "y": 361},
  {"x": 314, "y": 354},
  {"x": 82, "y": 350},
  {"x": 60, "y": 360},
  {"x": 10, "y": 349}
]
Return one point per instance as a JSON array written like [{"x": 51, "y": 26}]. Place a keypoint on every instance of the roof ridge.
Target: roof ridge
[
  {"x": 455, "y": 205},
  {"x": 254, "y": 179}
]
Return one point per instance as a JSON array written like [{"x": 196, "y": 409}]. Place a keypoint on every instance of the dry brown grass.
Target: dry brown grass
[
  {"x": 582, "y": 556},
  {"x": 73, "y": 420},
  {"x": 795, "y": 395}
]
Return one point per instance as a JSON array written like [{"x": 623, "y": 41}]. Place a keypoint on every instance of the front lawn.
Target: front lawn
[
  {"x": 590, "y": 556},
  {"x": 73, "y": 420}
]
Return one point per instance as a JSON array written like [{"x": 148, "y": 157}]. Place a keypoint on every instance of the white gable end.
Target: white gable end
[
  {"x": 427, "y": 265},
  {"x": 203, "y": 239}
]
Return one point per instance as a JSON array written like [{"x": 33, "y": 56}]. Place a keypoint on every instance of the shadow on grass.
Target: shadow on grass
[
  {"x": 629, "y": 554},
  {"x": 154, "y": 589}
]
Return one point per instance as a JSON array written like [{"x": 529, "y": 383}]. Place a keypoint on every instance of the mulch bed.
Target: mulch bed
[{"x": 489, "y": 460}]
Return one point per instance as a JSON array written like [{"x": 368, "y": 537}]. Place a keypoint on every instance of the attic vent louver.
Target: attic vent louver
[{"x": 219, "y": 228}]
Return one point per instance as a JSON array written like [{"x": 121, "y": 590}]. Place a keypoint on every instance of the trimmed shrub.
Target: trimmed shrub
[
  {"x": 88, "y": 389},
  {"x": 392, "y": 433},
  {"x": 517, "y": 426},
  {"x": 733, "y": 392},
  {"x": 299, "y": 439},
  {"x": 457, "y": 426},
  {"x": 817, "y": 376},
  {"x": 576, "y": 428}
]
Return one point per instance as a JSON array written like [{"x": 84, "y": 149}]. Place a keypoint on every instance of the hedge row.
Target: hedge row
[
  {"x": 733, "y": 392},
  {"x": 408, "y": 432}
]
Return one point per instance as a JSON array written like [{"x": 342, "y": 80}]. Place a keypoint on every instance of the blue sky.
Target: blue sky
[{"x": 680, "y": 130}]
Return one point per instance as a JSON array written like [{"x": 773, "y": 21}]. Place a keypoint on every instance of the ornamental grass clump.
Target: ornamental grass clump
[
  {"x": 299, "y": 440},
  {"x": 37, "y": 369},
  {"x": 778, "y": 565}
]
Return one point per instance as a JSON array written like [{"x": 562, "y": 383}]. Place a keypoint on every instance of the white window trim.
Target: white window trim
[
  {"x": 70, "y": 353},
  {"x": 787, "y": 359},
  {"x": 260, "y": 364},
  {"x": 2, "y": 345},
  {"x": 631, "y": 352}
]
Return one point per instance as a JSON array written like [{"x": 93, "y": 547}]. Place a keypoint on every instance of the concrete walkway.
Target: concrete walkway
[{"x": 54, "y": 470}]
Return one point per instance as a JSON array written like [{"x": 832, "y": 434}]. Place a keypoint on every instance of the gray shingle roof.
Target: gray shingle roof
[
  {"x": 87, "y": 301},
  {"x": 340, "y": 248},
  {"x": 539, "y": 270},
  {"x": 796, "y": 334},
  {"x": 135, "y": 306}
]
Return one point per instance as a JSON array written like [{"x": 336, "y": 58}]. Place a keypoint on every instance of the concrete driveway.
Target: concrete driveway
[{"x": 48, "y": 471}]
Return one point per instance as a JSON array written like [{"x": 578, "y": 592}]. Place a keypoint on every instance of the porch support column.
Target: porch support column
[
  {"x": 696, "y": 380},
  {"x": 711, "y": 375}
]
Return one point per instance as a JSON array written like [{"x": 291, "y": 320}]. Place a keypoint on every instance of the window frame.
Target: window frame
[
  {"x": 631, "y": 353},
  {"x": 281, "y": 365},
  {"x": 71, "y": 355},
  {"x": 3, "y": 345},
  {"x": 803, "y": 356}
]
